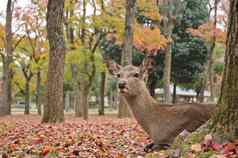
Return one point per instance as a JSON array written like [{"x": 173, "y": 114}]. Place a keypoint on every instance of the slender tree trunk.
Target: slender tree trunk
[
  {"x": 200, "y": 97},
  {"x": 102, "y": 93},
  {"x": 54, "y": 108},
  {"x": 152, "y": 80},
  {"x": 167, "y": 25},
  {"x": 84, "y": 102},
  {"x": 225, "y": 121},
  {"x": 211, "y": 73},
  {"x": 27, "y": 97},
  {"x": 174, "y": 93},
  {"x": 38, "y": 85},
  {"x": 5, "y": 107},
  {"x": 77, "y": 108},
  {"x": 167, "y": 69},
  {"x": 127, "y": 50},
  {"x": 74, "y": 70},
  {"x": 211, "y": 54},
  {"x": 83, "y": 31}
]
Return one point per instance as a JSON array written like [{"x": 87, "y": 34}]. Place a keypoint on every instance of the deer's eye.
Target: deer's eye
[
  {"x": 136, "y": 75},
  {"x": 118, "y": 75}
]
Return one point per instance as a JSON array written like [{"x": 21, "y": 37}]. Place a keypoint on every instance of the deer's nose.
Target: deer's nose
[{"x": 122, "y": 85}]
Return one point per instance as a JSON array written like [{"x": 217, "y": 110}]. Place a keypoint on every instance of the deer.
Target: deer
[{"x": 162, "y": 122}]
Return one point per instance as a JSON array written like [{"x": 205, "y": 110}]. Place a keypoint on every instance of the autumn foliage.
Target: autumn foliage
[
  {"x": 149, "y": 40},
  {"x": 207, "y": 32}
]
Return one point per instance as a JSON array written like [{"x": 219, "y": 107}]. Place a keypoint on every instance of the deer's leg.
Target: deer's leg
[{"x": 152, "y": 146}]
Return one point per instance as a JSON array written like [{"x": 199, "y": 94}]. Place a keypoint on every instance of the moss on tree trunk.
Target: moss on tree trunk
[{"x": 225, "y": 120}]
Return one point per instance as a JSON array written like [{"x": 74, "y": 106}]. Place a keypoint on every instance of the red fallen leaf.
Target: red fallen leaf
[
  {"x": 229, "y": 149},
  {"x": 216, "y": 147},
  {"x": 37, "y": 140},
  {"x": 13, "y": 147},
  {"x": 46, "y": 150}
]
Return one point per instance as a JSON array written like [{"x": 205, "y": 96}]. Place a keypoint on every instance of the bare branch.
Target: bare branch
[{"x": 18, "y": 42}]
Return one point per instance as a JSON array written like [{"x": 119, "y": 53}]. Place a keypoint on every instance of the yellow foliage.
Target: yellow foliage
[
  {"x": 2, "y": 34},
  {"x": 149, "y": 8}
]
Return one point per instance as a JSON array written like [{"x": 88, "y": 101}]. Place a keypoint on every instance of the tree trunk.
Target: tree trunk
[
  {"x": 5, "y": 107},
  {"x": 225, "y": 121},
  {"x": 210, "y": 58},
  {"x": 83, "y": 103},
  {"x": 167, "y": 70},
  {"x": 127, "y": 49},
  {"x": 27, "y": 97},
  {"x": 211, "y": 73},
  {"x": 38, "y": 85},
  {"x": 54, "y": 108},
  {"x": 152, "y": 81},
  {"x": 74, "y": 71},
  {"x": 174, "y": 93},
  {"x": 77, "y": 108},
  {"x": 102, "y": 93}
]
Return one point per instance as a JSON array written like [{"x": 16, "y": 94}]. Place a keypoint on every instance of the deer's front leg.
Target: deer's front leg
[{"x": 152, "y": 146}]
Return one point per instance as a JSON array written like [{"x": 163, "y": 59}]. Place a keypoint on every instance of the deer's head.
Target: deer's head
[{"x": 131, "y": 79}]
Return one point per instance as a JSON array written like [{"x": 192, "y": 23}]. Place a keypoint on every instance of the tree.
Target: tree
[
  {"x": 213, "y": 36},
  {"x": 33, "y": 48},
  {"x": 189, "y": 53},
  {"x": 127, "y": 49},
  {"x": 169, "y": 10},
  {"x": 7, "y": 60},
  {"x": 225, "y": 120},
  {"x": 54, "y": 107}
]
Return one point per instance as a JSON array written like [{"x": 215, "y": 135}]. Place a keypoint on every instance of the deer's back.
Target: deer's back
[{"x": 168, "y": 121}]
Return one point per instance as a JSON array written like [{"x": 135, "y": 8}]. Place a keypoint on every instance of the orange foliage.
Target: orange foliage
[
  {"x": 207, "y": 32},
  {"x": 149, "y": 40}
]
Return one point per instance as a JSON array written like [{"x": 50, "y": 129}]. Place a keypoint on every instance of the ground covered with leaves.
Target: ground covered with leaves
[
  {"x": 25, "y": 136},
  {"x": 100, "y": 137}
]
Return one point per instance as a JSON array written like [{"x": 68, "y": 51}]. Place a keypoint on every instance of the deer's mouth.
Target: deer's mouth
[{"x": 124, "y": 90}]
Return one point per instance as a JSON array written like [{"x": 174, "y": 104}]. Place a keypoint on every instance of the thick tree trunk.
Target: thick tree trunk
[
  {"x": 54, "y": 108},
  {"x": 27, "y": 97},
  {"x": 225, "y": 121},
  {"x": 38, "y": 85},
  {"x": 83, "y": 102},
  {"x": 5, "y": 107},
  {"x": 102, "y": 93},
  {"x": 127, "y": 49}
]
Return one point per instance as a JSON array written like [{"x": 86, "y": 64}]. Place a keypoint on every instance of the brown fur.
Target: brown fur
[{"x": 162, "y": 122}]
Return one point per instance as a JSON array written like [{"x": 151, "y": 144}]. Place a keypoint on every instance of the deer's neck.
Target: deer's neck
[{"x": 143, "y": 104}]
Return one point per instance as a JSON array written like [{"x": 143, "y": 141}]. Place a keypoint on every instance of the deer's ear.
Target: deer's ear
[{"x": 113, "y": 67}]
